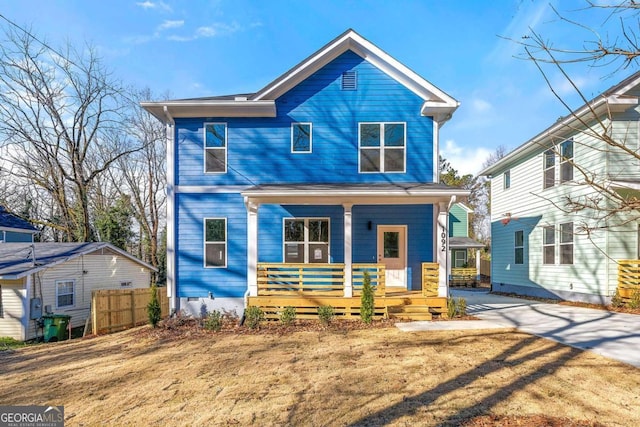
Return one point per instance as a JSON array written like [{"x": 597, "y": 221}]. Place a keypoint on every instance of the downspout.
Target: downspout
[{"x": 171, "y": 255}]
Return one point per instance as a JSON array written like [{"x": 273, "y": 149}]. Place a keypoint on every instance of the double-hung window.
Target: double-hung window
[
  {"x": 215, "y": 147},
  {"x": 65, "y": 293},
  {"x": 301, "y": 138},
  {"x": 306, "y": 240},
  {"x": 566, "y": 243},
  {"x": 382, "y": 147},
  {"x": 215, "y": 242},
  {"x": 566, "y": 161},
  {"x": 507, "y": 180},
  {"x": 518, "y": 247},
  {"x": 549, "y": 169},
  {"x": 549, "y": 245}
]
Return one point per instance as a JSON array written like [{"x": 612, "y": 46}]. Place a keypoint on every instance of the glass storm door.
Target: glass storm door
[{"x": 392, "y": 252}]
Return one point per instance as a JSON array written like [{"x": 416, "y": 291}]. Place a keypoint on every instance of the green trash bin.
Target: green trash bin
[{"x": 55, "y": 327}]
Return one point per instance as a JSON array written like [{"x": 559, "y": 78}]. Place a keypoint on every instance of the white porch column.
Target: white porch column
[
  {"x": 442, "y": 256},
  {"x": 348, "y": 285},
  {"x": 478, "y": 265},
  {"x": 252, "y": 247}
]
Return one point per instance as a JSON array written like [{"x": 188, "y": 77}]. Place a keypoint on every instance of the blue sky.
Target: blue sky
[{"x": 203, "y": 48}]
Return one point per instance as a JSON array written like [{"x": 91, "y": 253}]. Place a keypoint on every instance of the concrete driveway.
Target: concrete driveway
[{"x": 612, "y": 335}]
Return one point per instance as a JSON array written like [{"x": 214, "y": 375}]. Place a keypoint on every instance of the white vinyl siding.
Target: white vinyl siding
[
  {"x": 215, "y": 147},
  {"x": 12, "y": 293}
]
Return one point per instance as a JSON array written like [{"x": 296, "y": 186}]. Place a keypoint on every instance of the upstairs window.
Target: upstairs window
[
  {"x": 306, "y": 240},
  {"x": 215, "y": 147},
  {"x": 382, "y": 147},
  {"x": 566, "y": 243},
  {"x": 507, "y": 180},
  {"x": 65, "y": 293},
  {"x": 549, "y": 245},
  {"x": 549, "y": 169},
  {"x": 518, "y": 246},
  {"x": 301, "y": 137},
  {"x": 566, "y": 161},
  {"x": 215, "y": 242}
]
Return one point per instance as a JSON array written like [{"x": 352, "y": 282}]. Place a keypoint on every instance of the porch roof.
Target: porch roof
[
  {"x": 464, "y": 243},
  {"x": 370, "y": 193}
]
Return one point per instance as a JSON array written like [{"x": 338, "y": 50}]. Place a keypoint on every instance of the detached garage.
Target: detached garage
[{"x": 57, "y": 278}]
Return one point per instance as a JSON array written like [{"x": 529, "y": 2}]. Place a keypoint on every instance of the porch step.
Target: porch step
[{"x": 409, "y": 312}]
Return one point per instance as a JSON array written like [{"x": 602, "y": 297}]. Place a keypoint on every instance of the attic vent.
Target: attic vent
[{"x": 349, "y": 80}]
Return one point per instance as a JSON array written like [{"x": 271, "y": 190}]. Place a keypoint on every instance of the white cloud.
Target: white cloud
[
  {"x": 160, "y": 5},
  {"x": 480, "y": 105},
  {"x": 466, "y": 160},
  {"x": 208, "y": 31},
  {"x": 170, "y": 24}
]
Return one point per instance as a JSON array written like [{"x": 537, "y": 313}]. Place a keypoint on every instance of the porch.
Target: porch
[{"x": 309, "y": 286}]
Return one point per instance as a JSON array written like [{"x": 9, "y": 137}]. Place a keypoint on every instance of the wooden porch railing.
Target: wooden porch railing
[
  {"x": 376, "y": 274},
  {"x": 430, "y": 279},
  {"x": 628, "y": 277},
  {"x": 288, "y": 279}
]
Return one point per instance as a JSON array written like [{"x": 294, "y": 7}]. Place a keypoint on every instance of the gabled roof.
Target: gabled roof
[
  {"x": 14, "y": 223},
  {"x": 262, "y": 104},
  {"x": 616, "y": 99},
  {"x": 18, "y": 260}
]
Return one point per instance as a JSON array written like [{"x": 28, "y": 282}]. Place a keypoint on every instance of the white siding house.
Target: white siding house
[
  {"x": 62, "y": 276},
  {"x": 540, "y": 246}
]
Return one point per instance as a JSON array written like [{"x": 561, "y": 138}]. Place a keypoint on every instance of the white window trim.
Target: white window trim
[
  {"x": 545, "y": 168},
  {"x": 570, "y": 160},
  {"x": 516, "y": 247},
  {"x": 204, "y": 243},
  {"x": 554, "y": 244},
  {"x": 456, "y": 259},
  {"x": 382, "y": 147},
  {"x": 73, "y": 282},
  {"x": 310, "y": 138},
  {"x": 561, "y": 243},
  {"x": 205, "y": 148},
  {"x": 506, "y": 177},
  {"x": 306, "y": 241}
]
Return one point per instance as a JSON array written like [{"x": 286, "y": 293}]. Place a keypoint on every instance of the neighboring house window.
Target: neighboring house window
[
  {"x": 65, "y": 293},
  {"x": 519, "y": 247},
  {"x": 549, "y": 169},
  {"x": 549, "y": 245},
  {"x": 126, "y": 284},
  {"x": 306, "y": 240},
  {"x": 566, "y": 243},
  {"x": 459, "y": 259},
  {"x": 215, "y": 242},
  {"x": 301, "y": 137},
  {"x": 349, "y": 80},
  {"x": 215, "y": 147},
  {"x": 382, "y": 147},
  {"x": 507, "y": 180},
  {"x": 566, "y": 161}
]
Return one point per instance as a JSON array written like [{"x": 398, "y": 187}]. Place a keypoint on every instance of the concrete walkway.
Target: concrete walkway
[{"x": 612, "y": 335}]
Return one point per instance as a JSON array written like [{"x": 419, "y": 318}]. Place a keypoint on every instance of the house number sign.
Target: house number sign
[{"x": 443, "y": 240}]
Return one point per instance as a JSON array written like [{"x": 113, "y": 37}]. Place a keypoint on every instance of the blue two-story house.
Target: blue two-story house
[{"x": 332, "y": 165}]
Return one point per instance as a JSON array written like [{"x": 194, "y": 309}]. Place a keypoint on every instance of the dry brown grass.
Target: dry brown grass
[{"x": 332, "y": 377}]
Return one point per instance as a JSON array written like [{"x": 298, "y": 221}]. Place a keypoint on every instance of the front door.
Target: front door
[{"x": 392, "y": 252}]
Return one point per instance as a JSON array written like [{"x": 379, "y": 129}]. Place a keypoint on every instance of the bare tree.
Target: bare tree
[
  {"x": 60, "y": 125},
  {"x": 615, "y": 52}
]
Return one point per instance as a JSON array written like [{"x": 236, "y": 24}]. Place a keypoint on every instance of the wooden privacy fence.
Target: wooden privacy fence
[
  {"x": 118, "y": 309},
  {"x": 485, "y": 267},
  {"x": 628, "y": 278},
  {"x": 430, "y": 279}
]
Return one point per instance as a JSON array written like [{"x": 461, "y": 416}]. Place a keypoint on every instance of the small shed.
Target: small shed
[{"x": 41, "y": 278}]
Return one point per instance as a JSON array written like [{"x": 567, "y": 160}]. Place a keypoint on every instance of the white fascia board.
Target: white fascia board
[
  {"x": 18, "y": 230},
  {"x": 210, "y": 108},
  {"x": 601, "y": 105}
]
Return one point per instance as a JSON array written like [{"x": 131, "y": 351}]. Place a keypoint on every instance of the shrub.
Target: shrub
[
  {"x": 213, "y": 321},
  {"x": 634, "y": 303},
  {"x": 451, "y": 308},
  {"x": 616, "y": 300},
  {"x": 153, "y": 308},
  {"x": 253, "y": 316},
  {"x": 461, "y": 308},
  {"x": 366, "y": 300},
  {"x": 456, "y": 307},
  {"x": 325, "y": 314},
  {"x": 288, "y": 315}
]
